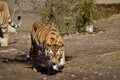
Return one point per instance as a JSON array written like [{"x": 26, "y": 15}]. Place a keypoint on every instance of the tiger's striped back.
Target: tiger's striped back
[
  {"x": 12, "y": 24},
  {"x": 44, "y": 30}
]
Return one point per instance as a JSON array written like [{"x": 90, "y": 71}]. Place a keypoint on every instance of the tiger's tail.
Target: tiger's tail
[{"x": 12, "y": 24}]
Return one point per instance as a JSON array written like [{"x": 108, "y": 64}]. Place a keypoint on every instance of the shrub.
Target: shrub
[
  {"x": 85, "y": 12},
  {"x": 72, "y": 15}
]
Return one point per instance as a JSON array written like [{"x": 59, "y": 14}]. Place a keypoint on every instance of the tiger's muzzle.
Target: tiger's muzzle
[{"x": 57, "y": 64}]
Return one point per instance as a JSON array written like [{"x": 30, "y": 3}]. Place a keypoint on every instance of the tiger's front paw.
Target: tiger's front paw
[{"x": 35, "y": 69}]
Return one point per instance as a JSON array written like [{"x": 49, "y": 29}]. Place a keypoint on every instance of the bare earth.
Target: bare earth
[{"x": 88, "y": 57}]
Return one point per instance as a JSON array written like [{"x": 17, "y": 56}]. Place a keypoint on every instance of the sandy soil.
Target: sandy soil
[{"x": 88, "y": 57}]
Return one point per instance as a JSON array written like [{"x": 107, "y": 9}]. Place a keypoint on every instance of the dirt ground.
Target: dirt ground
[{"x": 88, "y": 57}]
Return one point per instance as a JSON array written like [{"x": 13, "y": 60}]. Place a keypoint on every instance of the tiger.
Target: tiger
[
  {"x": 5, "y": 23},
  {"x": 47, "y": 41}
]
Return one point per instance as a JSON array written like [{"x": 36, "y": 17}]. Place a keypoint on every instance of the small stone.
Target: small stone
[
  {"x": 101, "y": 32},
  {"x": 96, "y": 72},
  {"x": 1, "y": 76},
  {"x": 44, "y": 78},
  {"x": 93, "y": 35},
  {"x": 26, "y": 69},
  {"x": 115, "y": 76},
  {"x": 9, "y": 69},
  {"x": 100, "y": 74},
  {"x": 85, "y": 78},
  {"x": 110, "y": 67},
  {"x": 90, "y": 69},
  {"x": 108, "y": 72},
  {"x": 73, "y": 75},
  {"x": 82, "y": 70},
  {"x": 91, "y": 47}
]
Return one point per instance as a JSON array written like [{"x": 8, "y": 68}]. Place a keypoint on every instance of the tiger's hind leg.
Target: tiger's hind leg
[
  {"x": 4, "y": 41},
  {"x": 4, "y": 35}
]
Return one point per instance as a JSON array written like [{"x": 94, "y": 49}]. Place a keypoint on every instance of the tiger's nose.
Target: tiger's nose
[{"x": 53, "y": 63}]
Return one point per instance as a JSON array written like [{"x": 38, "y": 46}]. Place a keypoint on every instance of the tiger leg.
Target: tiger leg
[
  {"x": 4, "y": 38},
  {"x": 0, "y": 41},
  {"x": 34, "y": 54},
  {"x": 4, "y": 41},
  {"x": 62, "y": 60}
]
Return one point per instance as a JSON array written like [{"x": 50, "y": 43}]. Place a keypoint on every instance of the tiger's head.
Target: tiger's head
[{"x": 54, "y": 50}]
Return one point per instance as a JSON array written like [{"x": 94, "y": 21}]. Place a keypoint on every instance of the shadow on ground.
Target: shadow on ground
[{"x": 22, "y": 59}]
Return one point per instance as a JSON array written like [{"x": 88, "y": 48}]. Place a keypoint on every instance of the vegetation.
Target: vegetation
[
  {"x": 109, "y": 9},
  {"x": 85, "y": 13},
  {"x": 72, "y": 15},
  {"x": 58, "y": 14}
]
